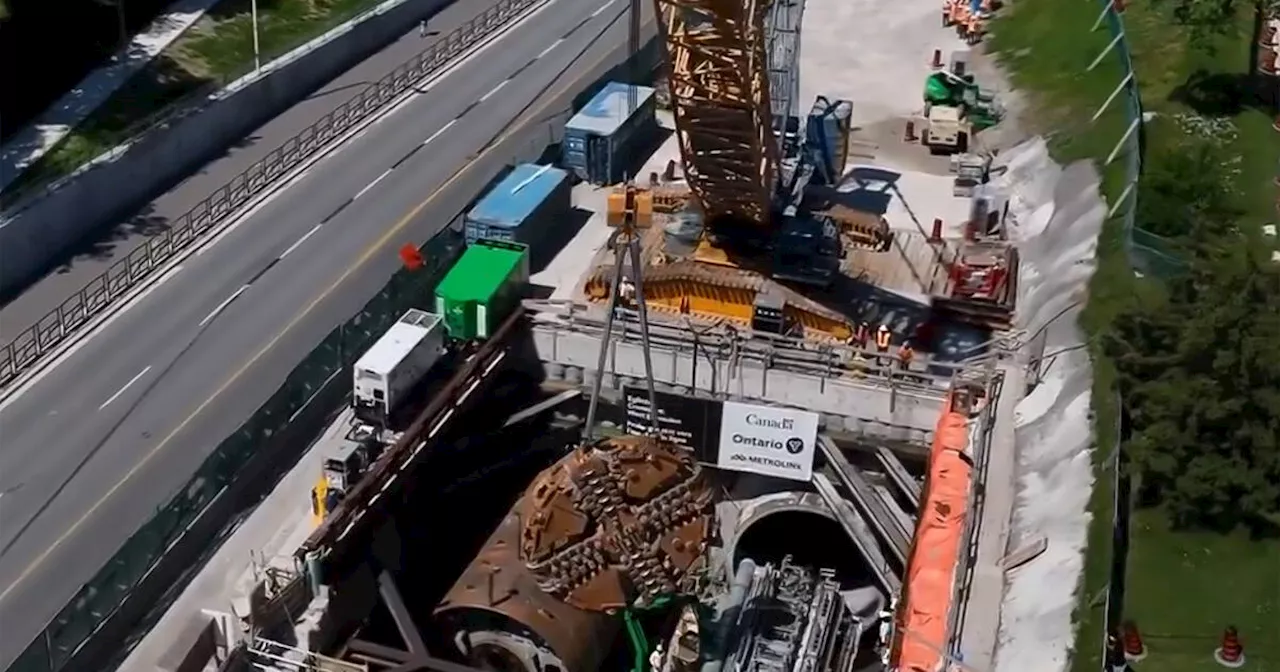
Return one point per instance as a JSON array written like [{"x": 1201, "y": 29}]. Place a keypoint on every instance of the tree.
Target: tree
[
  {"x": 1200, "y": 374},
  {"x": 1206, "y": 19},
  {"x": 1184, "y": 193}
]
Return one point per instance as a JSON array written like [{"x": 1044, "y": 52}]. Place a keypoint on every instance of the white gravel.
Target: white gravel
[{"x": 1058, "y": 215}]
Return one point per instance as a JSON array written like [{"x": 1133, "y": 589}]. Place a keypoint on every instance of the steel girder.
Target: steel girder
[{"x": 719, "y": 78}]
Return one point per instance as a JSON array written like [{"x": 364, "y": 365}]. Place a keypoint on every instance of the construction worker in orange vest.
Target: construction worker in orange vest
[
  {"x": 884, "y": 338},
  {"x": 906, "y": 354}
]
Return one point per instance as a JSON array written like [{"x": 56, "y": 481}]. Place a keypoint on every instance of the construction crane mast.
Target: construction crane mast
[{"x": 719, "y": 78}]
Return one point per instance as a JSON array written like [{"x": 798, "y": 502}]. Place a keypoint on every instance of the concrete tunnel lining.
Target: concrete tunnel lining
[{"x": 821, "y": 541}]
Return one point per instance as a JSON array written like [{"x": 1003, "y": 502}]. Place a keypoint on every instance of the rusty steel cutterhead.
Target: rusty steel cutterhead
[
  {"x": 619, "y": 522},
  {"x": 496, "y": 607}
]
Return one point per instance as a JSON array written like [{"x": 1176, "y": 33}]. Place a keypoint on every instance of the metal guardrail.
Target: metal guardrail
[
  {"x": 824, "y": 360},
  {"x": 38, "y": 340}
]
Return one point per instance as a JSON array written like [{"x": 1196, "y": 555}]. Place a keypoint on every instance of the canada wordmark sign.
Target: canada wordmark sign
[
  {"x": 778, "y": 442},
  {"x": 767, "y": 440}
]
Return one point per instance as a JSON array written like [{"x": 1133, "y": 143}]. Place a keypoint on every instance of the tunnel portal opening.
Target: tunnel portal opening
[{"x": 812, "y": 539}]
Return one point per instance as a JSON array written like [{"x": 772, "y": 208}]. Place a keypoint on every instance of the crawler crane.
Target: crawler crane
[{"x": 745, "y": 183}]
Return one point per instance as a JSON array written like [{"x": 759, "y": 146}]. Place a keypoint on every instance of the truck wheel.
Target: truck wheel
[{"x": 962, "y": 143}]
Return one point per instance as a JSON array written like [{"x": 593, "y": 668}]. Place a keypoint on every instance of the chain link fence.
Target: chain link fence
[
  {"x": 1148, "y": 253},
  {"x": 37, "y": 341},
  {"x": 98, "y": 599}
]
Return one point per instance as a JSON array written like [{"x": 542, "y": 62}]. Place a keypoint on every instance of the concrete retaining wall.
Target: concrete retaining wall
[
  {"x": 34, "y": 233},
  {"x": 845, "y": 404}
]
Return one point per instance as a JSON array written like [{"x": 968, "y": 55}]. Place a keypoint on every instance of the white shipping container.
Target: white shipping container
[{"x": 395, "y": 364}]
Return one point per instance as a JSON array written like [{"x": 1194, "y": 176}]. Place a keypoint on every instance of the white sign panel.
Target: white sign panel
[{"x": 779, "y": 442}]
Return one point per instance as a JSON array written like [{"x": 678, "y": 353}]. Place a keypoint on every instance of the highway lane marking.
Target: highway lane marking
[
  {"x": 369, "y": 186},
  {"x": 441, "y": 130},
  {"x": 601, "y": 9},
  {"x": 550, "y": 48},
  {"x": 365, "y": 257},
  {"x": 420, "y": 87},
  {"x": 494, "y": 90},
  {"x": 225, "y": 302},
  {"x": 69, "y": 352},
  {"x": 126, "y": 386},
  {"x": 298, "y": 243}
]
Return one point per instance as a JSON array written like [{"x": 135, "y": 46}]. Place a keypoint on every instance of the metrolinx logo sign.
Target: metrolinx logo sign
[{"x": 778, "y": 442}]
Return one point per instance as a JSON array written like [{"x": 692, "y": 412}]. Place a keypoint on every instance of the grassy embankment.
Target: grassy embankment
[
  {"x": 215, "y": 51},
  {"x": 1183, "y": 587}
]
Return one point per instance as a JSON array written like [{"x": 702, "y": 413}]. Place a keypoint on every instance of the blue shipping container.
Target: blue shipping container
[
  {"x": 525, "y": 207},
  {"x": 601, "y": 139}
]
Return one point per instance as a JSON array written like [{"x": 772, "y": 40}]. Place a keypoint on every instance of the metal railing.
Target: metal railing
[
  {"x": 102, "y": 595},
  {"x": 38, "y": 340},
  {"x": 1148, "y": 253},
  {"x": 1121, "y": 507}
]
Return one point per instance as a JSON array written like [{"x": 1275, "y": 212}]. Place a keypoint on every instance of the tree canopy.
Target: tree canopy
[
  {"x": 1200, "y": 373},
  {"x": 1206, "y": 18},
  {"x": 1198, "y": 356}
]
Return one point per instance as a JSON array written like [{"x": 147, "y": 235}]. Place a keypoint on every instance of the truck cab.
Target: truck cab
[{"x": 947, "y": 131}]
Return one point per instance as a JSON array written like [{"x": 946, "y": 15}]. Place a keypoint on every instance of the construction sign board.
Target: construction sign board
[
  {"x": 685, "y": 421},
  {"x": 766, "y": 440},
  {"x": 778, "y": 442}
]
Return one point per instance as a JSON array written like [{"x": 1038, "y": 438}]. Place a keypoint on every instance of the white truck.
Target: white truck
[
  {"x": 947, "y": 131},
  {"x": 396, "y": 363}
]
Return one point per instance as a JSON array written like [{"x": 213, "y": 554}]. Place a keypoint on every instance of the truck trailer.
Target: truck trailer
[
  {"x": 482, "y": 288},
  {"x": 396, "y": 363}
]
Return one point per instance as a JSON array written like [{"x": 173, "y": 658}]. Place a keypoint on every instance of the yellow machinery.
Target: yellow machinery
[
  {"x": 342, "y": 470},
  {"x": 719, "y": 80}
]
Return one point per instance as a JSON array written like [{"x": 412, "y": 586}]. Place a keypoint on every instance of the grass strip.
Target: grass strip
[
  {"x": 1183, "y": 587},
  {"x": 217, "y": 50}
]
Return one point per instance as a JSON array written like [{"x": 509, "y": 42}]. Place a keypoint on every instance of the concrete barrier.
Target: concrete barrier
[{"x": 38, "y": 230}]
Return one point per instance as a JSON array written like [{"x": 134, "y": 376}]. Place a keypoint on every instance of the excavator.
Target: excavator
[{"x": 762, "y": 244}]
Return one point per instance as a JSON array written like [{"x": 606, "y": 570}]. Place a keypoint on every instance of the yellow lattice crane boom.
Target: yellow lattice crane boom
[
  {"x": 719, "y": 79},
  {"x": 717, "y": 57}
]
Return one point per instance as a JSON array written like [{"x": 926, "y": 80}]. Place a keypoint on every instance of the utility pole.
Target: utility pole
[
  {"x": 123, "y": 24},
  {"x": 257, "y": 57}
]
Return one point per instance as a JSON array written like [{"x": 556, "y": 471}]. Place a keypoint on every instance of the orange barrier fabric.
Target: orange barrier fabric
[{"x": 935, "y": 551}]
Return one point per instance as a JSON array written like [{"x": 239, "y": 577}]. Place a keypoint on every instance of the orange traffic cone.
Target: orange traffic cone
[
  {"x": 909, "y": 133},
  {"x": 937, "y": 59},
  {"x": 1231, "y": 653},
  {"x": 1134, "y": 648}
]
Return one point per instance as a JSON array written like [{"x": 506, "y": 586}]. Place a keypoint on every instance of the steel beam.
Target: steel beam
[{"x": 416, "y": 658}]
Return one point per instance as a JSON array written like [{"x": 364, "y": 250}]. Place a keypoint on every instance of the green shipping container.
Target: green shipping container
[{"x": 482, "y": 288}]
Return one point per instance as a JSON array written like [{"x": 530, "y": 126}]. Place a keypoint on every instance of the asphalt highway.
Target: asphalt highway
[
  {"x": 108, "y": 435},
  {"x": 96, "y": 257}
]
